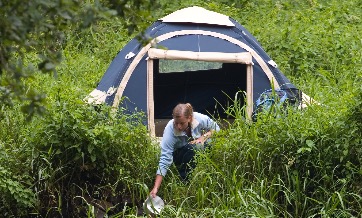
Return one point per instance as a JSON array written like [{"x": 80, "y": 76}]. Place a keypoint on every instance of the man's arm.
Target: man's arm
[{"x": 157, "y": 185}]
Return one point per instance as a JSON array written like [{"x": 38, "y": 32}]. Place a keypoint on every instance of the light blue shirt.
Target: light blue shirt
[{"x": 173, "y": 139}]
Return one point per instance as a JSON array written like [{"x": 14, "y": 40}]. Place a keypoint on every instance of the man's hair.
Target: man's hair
[{"x": 181, "y": 109}]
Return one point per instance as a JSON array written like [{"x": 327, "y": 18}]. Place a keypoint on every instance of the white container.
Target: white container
[{"x": 153, "y": 205}]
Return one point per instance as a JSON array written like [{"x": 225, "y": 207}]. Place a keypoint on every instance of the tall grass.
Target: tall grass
[
  {"x": 289, "y": 166},
  {"x": 296, "y": 163}
]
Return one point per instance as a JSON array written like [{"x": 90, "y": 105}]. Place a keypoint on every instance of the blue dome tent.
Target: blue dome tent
[{"x": 196, "y": 56}]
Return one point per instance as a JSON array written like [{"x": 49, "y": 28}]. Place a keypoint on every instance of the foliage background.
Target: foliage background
[{"x": 302, "y": 165}]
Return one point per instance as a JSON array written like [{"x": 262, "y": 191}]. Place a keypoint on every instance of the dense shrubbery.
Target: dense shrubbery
[
  {"x": 15, "y": 180},
  {"x": 307, "y": 163},
  {"x": 79, "y": 151},
  {"x": 75, "y": 153},
  {"x": 300, "y": 165},
  {"x": 304, "y": 164}
]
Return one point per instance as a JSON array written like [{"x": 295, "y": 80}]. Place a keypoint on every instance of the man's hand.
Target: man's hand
[
  {"x": 154, "y": 191},
  {"x": 157, "y": 185},
  {"x": 200, "y": 140}
]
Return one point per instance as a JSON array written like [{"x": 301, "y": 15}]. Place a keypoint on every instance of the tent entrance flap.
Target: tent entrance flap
[{"x": 208, "y": 86}]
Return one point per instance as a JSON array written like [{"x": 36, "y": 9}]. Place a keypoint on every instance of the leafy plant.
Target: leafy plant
[
  {"x": 88, "y": 149},
  {"x": 302, "y": 163}
]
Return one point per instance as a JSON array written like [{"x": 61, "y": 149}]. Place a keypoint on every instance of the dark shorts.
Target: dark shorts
[{"x": 184, "y": 159}]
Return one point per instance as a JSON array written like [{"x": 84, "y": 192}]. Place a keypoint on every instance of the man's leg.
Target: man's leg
[{"x": 184, "y": 160}]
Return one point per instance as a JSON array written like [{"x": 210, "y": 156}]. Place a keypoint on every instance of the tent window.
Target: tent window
[{"x": 168, "y": 66}]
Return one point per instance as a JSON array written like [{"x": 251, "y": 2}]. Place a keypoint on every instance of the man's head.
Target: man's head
[{"x": 182, "y": 115}]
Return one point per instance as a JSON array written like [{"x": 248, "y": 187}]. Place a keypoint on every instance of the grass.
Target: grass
[{"x": 305, "y": 164}]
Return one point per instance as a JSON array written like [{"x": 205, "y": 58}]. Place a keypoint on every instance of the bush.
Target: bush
[
  {"x": 80, "y": 151},
  {"x": 300, "y": 164}
]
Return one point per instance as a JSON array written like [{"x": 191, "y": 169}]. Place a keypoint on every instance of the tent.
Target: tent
[{"x": 197, "y": 56}]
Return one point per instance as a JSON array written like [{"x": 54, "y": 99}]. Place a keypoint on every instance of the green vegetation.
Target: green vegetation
[
  {"x": 305, "y": 164},
  {"x": 41, "y": 27}
]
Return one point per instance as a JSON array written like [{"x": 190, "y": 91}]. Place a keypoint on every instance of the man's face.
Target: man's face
[{"x": 181, "y": 123}]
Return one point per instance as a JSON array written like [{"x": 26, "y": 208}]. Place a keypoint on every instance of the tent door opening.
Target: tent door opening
[{"x": 208, "y": 85}]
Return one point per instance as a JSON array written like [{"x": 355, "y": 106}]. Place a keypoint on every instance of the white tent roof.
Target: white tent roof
[{"x": 197, "y": 15}]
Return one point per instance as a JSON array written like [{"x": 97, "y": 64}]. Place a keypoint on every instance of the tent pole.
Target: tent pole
[
  {"x": 249, "y": 88},
  {"x": 150, "y": 98}
]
